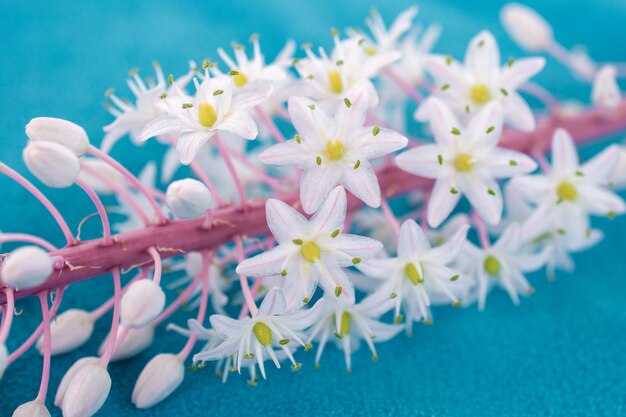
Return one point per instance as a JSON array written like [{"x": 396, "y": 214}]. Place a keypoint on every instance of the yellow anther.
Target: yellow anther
[
  {"x": 263, "y": 333},
  {"x": 464, "y": 162},
  {"x": 310, "y": 251},
  {"x": 370, "y": 51},
  {"x": 566, "y": 191},
  {"x": 492, "y": 266},
  {"x": 479, "y": 94},
  {"x": 334, "y": 79},
  {"x": 335, "y": 150},
  {"x": 240, "y": 79},
  {"x": 413, "y": 274},
  {"x": 207, "y": 116},
  {"x": 345, "y": 324}
]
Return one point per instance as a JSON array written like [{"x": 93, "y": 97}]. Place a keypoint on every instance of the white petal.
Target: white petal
[
  {"x": 353, "y": 117},
  {"x": 511, "y": 239},
  {"x": 304, "y": 119},
  {"x": 226, "y": 327},
  {"x": 488, "y": 206},
  {"x": 357, "y": 246},
  {"x": 386, "y": 141},
  {"x": 449, "y": 251},
  {"x": 412, "y": 240},
  {"x": 503, "y": 163},
  {"x": 441, "y": 202},
  {"x": 452, "y": 73},
  {"x": 381, "y": 268},
  {"x": 488, "y": 118},
  {"x": 189, "y": 144},
  {"x": 564, "y": 153},
  {"x": 265, "y": 264},
  {"x": 483, "y": 56},
  {"x": 273, "y": 304},
  {"x": 315, "y": 185},
  {"x": 441, "y": 119},
  {"x": 602, "y": 202},
  {"x": 161, "y": 126},
  {"x": 517, "y": 114},
  {"x": 362, "y": 183},
  {"x": 603, "y": 165},
  {"x": 247, "y": 101},
  {"x": 287, "y": 153},
  {"x": 241, "y": 124},
  {"x": 421, "y": 161},
  {"x": 284, "y": 221},
  {"x": 332, "y": 214},
  {"x": 521, "y": 71}
]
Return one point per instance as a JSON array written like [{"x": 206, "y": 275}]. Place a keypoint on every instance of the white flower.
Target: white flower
[
  {"x": 142, "y": 302},
  {"x": 419, "y": 275},
  {"x": 26, "y": 267},
  {"x": 311, "y": 252},
  {"x": 385, "y": 40},
  {"x": 481, "y": 80},
  {"x": 617, "y": 179},
  {"x": 68, "y": 330},
  {"x": 135, "y": 341},
  {"x": 504, "y": 263},
  {"x": 375, "y": 224},
  {"x": 605, "y": 91},
  {"x": 87, "y": 391},
  {"x": 63, "y": 132},
  {"x": 214, "y": 108},
  {"x": 334, "y": 151},
  {"x": 53, "y": 164},
  {"x": 271, "y": 328},
  {"x": 464, "y": 160},
  {"x": 102, "y": 169},
  {"x": 349, "y": 323},
  {"x": 527, "y": 28},
  {"x": 32, "y": 409},
  {"x": 188, "y": 198},
  {"x": 69, "y": 376},
  {"x": 158, "y": 379},
  {"x": 415, "y": 48}
]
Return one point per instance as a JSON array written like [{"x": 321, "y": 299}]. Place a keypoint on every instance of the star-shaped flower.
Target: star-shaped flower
[
  {"x": 311, "y": 251},
  {"x": 214, "y": 108},
  {"x": 481, "y": 80},
  {"x": 334, "y": 151},
  {"x": 419, "y": 274},
  {"x": 464, "y": 160},
  {"x": 384, "y": 39}
]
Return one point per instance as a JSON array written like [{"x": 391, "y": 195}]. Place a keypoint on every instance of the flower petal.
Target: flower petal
[
  {"x": 441, "y": 202},
  {"x": 315, "y": 185},
  {"x": 241, "y": 124},
  {"x": 284, "y": 221},
  {"x": 504, "y": 163},
  {"x": 273, "y": 303},
  {"x": 412, "y": 240},
  {"x": 189, "y": 144},
  {"x": 386, "y": 141},
  {"x": 488, "y": 206},
  {"x": 421, "y": 161},
  {"x": 483, "y": 56},
  {"x": 520, "y": 71},
  {"x": 287, "y": 153},
  {"x": 226, "y": 327},
  {"x": 265, "y": 264},
  {"x": 517, "y": 114},
  {"x": 564, "y": 153},
  {"x": 160, "y": 126},
  {"x": 362, "y": 183},
  {"x": 332, "y": 214},
  {"x": 441, "y": 119}
]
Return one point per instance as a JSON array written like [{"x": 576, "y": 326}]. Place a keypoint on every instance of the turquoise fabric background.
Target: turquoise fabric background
[{"x": 561, "y": 353}]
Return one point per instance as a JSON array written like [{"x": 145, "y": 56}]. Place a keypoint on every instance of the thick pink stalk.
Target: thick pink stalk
[
  {"x": 15, "y": 176},
  {"x": 270, "y": 125},
  {"x": 89, "y": 259},
  {"x": 23, "y": 237},
  {"x": 104, "y": 218},
  {"x": 47, "y": 343}
]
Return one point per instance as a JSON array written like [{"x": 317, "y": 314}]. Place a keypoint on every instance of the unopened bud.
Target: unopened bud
[
  {"x": 87, "y": 391},
  {"x": 104, "y": 170},
  {"x": 142, "y": 303},
  {"x": 63, "y": 132},
  {"x": 69, "y": 375},
  {"x": 69, "y": 330},
  {"x": 188, "y": 198},
  {"x": 527, "y": 28},
  {"x": 53, "y": 164},
  {"x": 26, "y": 267},
  {"x": 31, "y": 409},
  {"x": 605, "y": 91},
  {"x": 135, "y": 341},
  {"x": 160, "y": 377}
]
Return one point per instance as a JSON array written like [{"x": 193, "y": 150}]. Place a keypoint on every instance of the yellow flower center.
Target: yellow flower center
[
  {"x": 370, "y": 51},
  {"x": 335, "y": 150},
  {"x": 413, "y": 274},
  {"x": 345, "y": 324},
  {"x": 334, "y": 79},
  {"x": 207, "y": 116},
  {"x": 566, "y": 191},
  {"x": 492, "y": 266},
  {"x": 479, "y": 93},
  {"x": 263, "y": 333},
  {"x": 464, "y": 162},
  {"x": 240, "y": 79},
  {"x": 310, "y": 251}
]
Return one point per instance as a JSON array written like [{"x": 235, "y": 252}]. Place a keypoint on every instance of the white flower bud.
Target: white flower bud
[
  {"x": 87, "y": 391},
  {"x": 527, "y": 28},
  {"x": 53, "y": 164},
  {"x": 188, "y": 198},
  {"x": 605, "y": 92},
  {"x": 142, "y": 303},
  {"x": 103, "y": 169},
  {"x": 69, "y": 375},
  {"x": 160, "y": 377},
  {"x": 63, "y": 132},
  {"x": 135, "y": 342},
  {"x": 31, "y": 409},
  {"x": 4, "y": 359},
  {"x": 26, "y": 267},
  {"x": 69, "y": 330}
]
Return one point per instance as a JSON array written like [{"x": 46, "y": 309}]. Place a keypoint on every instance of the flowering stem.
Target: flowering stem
[
  {"x": 104, "y": 218},
  {"x": 271, "y": 126},
  {"x": 69, "y": 237},
  {"x": 45, "y": 373},
  {"x": 390, "y": 216},
  {"x": 231, "y": 168},
  {"x": 245, "y": 288},
  {"x": 7, "y": 317},
  {"x": 541, "y": 159},
  {"x": 23, "y": 237},
  {"x": 106, "y": 306},
  {"x": 272, "y": 182},
  {"x": 158, "y": 267},
  {"x": 175, "y": 305},
  {"x": 133, "y": 180},
  {"x": 117, "y": 288},
  {"x": 253, "y": 290},
  {"x": 403, "y": 84}
]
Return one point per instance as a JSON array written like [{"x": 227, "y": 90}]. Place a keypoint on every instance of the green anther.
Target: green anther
[
  {"x": 170, "y": 79},
  {"x": 284, "y": 341},
  {"x": 492, "y": 266},
  {"x": 413, "y": 274},
  {"x": 345, "y": 324},
  {"x": 480, "y": 94},
  {"x": 334, "y": 32},
  {"x": 481, "y": 43},
  {"x": 448, "y": 60},
  {"x": 335, "y": 150},
  {"x": 206, "y": 64},
  {"x": 163, "y": 95},
  {"x": 566, "y": 191},
  {"x": 186, "y": 105},
  {"x": 305, "y": 300},
  {"x": 427, "y": 322},
  {"x": 339, "y": 63},
  {"x": 233, "y": 72},
  {"x": 454, "y": 278},
  {"x": 560, "y": 231},
  {"x": 295, "y": 62},
  {"x": 611, "y": 214},
  {"x": 375, "y": 130},
  {"x": 393, "y": 295},
  {"x": 456, "y": 304},
  {"x": 375, "y": 358},
  {"x": 297, "y": 241},
  {"x": 311, "y": 77},
  {"x": 192, "y": 368},
  {"x": 308, "y": 347},
  {"x": 250, "y": 382},
  {"x": 399, "y": 319},
  {"x": 445, "y": 87},
  {"x": 464, "y": 162},
  {"x": 504, "y": 92},
  {"x": 455, "y": 131},
  {"x": 356, "y": 261},
  {"x": 312, "y": 106},
  {"x": 510, "y": 62},
  {"x": 207, "y": 116},
  {"x": 283, "y": 272},
  {"x": 357, "y": 164},
  {"x": 580, "y": 174},
  {"x": 440, "y": 159},
  {"x": 263, "y": 333},
  {"x": 467, "y": 108},
  {"x": 335, "y": 233},
  {"x": 335, "y": 82},
  {"x": 338, "y": 291},
  {"x": 310, "y": 251},
  {"x": 490, "y": 191},
  {"x": 513, "y": 163},
  {"x": 218, "y": 92},
  {"x": 248, "y": 356},
  {"x": 491, "y": 129},
  {"x": 453, "y": 190},
  {"x": 318, "y": 160},
  {"x": 296, "y": 367},
  {"x": 347, "y": 102},
  {"x": 298, "y": 139}
]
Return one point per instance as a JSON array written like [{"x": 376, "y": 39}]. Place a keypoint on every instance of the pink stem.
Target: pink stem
[
  {"x": 390, "y": 216},
  {"x": 231, "y": 168},
  {"x": 542, "y": 95},
  {"x": 23, "y": 237},
  {"x": 130, "y": 177},
  {"x": 104, "y": 218},
  {"x": 106, "y": 306},
  {"x": 245, "y": 288},
  {"x": 272, "y": 182},
  {"x": 403, "y": 84},
  {"x": 541, "y": 159},
  {"x": 158, "y": 268},
  {"x": 42, "y": 198},
  {"x": 483, "y": 237},
  {"x": 175, "y": 305},
  {"x": 7, "y": 318},
  {"x": 45, "y": 373},
  {"x": 271, "y": 126},
  {"x": 253, "y": 290},
  {"x": 117, "y": 288}
]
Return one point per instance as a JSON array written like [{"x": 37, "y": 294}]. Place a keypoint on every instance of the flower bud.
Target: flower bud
[
  {"x": 53, "y": 164},
  {"x": 142, "y": 303},
  {"x": 605, "y": 92},
  {"x": 63, "y": 132},
  {"x": 160, "y": 377},
  {"x": 103, "y": 169},
  {"x": 4, "y": 359},
  {"x": 69, "y": 330},
  {"x": 188, "y": 198},
  {"x": 31, "y": 409},
  {"x": 135, "y": 342},
  {"x": 69, "y": 375},
  {"x": 87, "y": 391},
  {"x": 26, "y": 267},
  {"x": 527, "y": 28}
]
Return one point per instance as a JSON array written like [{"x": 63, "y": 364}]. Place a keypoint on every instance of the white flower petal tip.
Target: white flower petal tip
[
  {"x": 69, "y": 375},
  {"x": 53, "y": 164},
  {"x": 141, "y": 303},
  {"x": 527, "y": 28},
  {"x": 135, "y": 342},
  {"x": 4, "y": 359},
  {"x": 606, "y": 92},
  {"x": 31, "y": 409},
  {"x": 158, "y": 379},
  {"x": 26, "y": 267},
  {"x": 63, "y": 132},
  {"x": 87, "y": 391},
  {"x": 69, "y": 330},
  {"x": 188, "y": 198}
]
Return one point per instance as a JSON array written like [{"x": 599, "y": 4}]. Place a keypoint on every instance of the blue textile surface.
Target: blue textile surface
[{"x": 560, "y": 353}]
